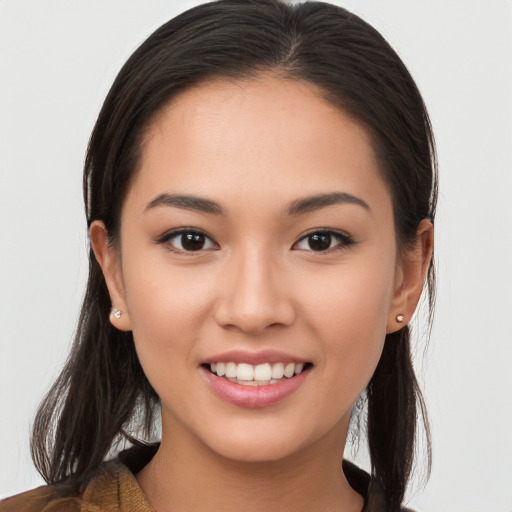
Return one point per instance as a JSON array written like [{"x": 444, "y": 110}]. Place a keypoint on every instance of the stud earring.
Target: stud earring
[
  {"x": 400, "y": 318},
  {"x": 117, "y": 313}
]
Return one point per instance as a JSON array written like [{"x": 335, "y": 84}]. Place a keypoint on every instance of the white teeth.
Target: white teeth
[
  {"x": 278, "y": 371},
  {"x": 221, "y": 369},
  {"x": 247, "y": 382},
  {"x": 256, "y": 375},
  {"x": 231, "y": 370},
  {"x": 289, "y": 370},
  {"x": 245, "y": 371},
  {"x": 263, "y": 372},
  {"x": 255, "y": 382}
]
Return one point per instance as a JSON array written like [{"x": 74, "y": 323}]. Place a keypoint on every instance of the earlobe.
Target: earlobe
[
  {"x": 110, "y": 265},
  {"x": 411, "y": 275}
]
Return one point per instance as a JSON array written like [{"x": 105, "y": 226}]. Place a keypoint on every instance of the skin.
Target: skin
[{"x": 255, "y": 147}]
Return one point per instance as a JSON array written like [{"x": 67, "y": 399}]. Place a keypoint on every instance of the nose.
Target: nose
[{"x": 254, "y": 296}]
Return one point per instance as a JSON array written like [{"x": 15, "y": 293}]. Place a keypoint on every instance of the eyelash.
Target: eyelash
[
  {"x": 167, "y": 237},
  {"x": 343, "y": 240}
]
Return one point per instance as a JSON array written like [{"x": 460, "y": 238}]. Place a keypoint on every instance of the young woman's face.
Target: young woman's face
[{"x": 257, "y": 235}]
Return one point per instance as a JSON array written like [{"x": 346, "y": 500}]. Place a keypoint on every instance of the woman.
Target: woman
[{"x": 260, "y": 190}]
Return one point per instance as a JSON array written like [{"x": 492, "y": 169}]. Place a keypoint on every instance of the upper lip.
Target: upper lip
[{"x": 254, "y": 358}]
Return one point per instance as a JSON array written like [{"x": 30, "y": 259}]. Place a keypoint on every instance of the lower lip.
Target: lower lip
[{"x": 254, "y": 396}]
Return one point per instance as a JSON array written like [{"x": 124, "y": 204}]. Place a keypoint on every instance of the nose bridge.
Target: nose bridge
[{"x": 254, "y": 295}]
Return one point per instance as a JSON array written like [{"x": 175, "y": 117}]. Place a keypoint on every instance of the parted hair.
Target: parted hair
[{"x": 102, "y": 395}]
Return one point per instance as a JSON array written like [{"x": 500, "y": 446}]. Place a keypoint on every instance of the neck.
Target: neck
[{"x": 185, "y": 475}]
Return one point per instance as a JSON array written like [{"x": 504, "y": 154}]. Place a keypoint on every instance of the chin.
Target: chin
[
  {"x": 258, "y": 443},
  {"x": 248, "y": 451}
]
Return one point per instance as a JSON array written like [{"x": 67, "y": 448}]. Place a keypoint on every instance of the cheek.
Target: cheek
[
  {"x": 348, "y": 311},
  {"x": 167, "y": 306}
]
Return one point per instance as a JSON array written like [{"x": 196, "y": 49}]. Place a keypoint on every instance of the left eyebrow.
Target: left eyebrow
[{"x": 312, "y": 203}]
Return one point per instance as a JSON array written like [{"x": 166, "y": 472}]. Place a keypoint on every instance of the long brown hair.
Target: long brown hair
[{"x": 102, "y": 388}]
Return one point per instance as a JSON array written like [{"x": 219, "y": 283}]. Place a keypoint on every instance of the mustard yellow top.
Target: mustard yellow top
[{"x": 115, "y": 489}]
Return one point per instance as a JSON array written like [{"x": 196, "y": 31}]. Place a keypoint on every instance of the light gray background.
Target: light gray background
[{"x": 57, "y": 61}]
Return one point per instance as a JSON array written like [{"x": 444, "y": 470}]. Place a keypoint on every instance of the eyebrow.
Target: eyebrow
[
  {"x": 312, "y": 203},
  {"x": 185, "y": 202},
  {"x": 297, "y": 207}
]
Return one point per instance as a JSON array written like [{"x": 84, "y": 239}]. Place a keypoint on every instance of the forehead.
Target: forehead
[{"x": 264, "y": 137}]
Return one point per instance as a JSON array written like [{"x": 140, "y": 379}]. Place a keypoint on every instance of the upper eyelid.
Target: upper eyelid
[
  {"x": 331, "y": 231},
  {"x": 179, "y": 231}
]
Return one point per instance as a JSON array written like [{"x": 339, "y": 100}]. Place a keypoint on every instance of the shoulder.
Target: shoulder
[
  {"x": 101, "y": 490},
  {"x": 113, "y": 488},
  {"x": 41, "y": 499}
]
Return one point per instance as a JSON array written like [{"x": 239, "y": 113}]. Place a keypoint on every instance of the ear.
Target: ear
[
  {"x": 110, "y": 264},
  {"x": 410, "y": 277}
]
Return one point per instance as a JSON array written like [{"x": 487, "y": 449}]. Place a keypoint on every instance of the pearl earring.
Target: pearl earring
[
  {"x": 117, "y": 313},
  {"x": 400, "y": 318}
]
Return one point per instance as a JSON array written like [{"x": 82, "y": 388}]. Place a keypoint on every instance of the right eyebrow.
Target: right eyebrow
[{"x": 186, "y": 202}]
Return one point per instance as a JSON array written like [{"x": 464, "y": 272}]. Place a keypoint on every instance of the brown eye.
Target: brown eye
[
  {"x": 323, "y": 241},
  {"x": 192, "y": 241},
  {"x": 188, "y": 241},
  {"x": 319, "y": 241}
]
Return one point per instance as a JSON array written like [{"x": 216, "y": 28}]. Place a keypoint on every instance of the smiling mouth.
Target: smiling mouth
[{"x": 256, "y": 375}]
